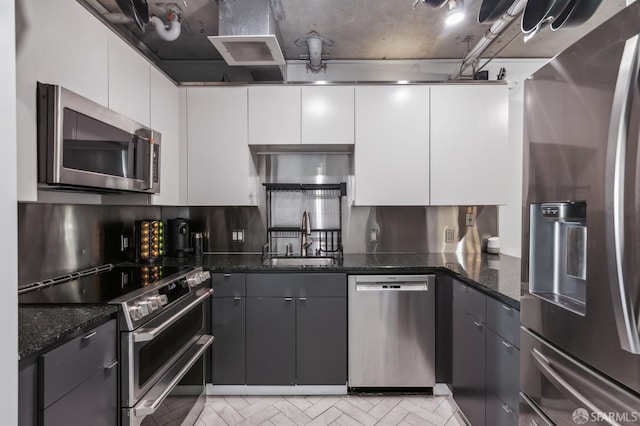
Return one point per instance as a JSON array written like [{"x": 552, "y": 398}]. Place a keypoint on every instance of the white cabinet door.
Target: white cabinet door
[
  {"x": 128, "y": 81},
  {"x": 469, "y": 141},
  {"x": 220, "y": 170},
  {"x": 274, "y": 115},
  {"x": 164, "y": 118},
  {"x": 328, "y": 115},
  {"x": 72, "y": 49},
  {"x": 392, "y": 145}
]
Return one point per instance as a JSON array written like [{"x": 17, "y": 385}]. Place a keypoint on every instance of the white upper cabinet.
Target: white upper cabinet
[
  {"x": 164, "y": 97},
  {"x": 72, "y": 49},
  {"x": 274, "y": 115},
  {"x": 128, "y": 81},
  {"x": 328, "y": 115},
  {"x": 220, "y": 170},
  {"x": 469, "y": 142},
  {"x": 392, "y": 145}
]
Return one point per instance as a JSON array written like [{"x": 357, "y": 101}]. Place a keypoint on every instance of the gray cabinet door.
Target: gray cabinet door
[
  {"x": 94, "y": 402},
  {"x": 27, "y": 393},
  {"x": 469, "y": 366},
  {"x": 270, "y": 341},
  {"x": 503, "y": 369},
  {"x": 228, "y": 350},
  {"x": 321, "y": 341}
]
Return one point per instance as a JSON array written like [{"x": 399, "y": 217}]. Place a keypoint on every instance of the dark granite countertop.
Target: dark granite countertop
[
  {"x": 496, "y": 275},
  {"x": 40, "y": 327}
]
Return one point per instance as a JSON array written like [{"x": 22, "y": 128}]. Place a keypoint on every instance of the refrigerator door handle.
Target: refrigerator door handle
[
  {"x": 546, "y": 368},
  {"x": 623, "y": 307}
]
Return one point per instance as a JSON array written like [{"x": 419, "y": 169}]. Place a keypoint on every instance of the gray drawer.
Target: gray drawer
[
  {"x": 70, "y": 364},
  {"x": 504, "y": 320},
  {"x": 94, "y": 402},
  {"x": 471, "y": 301},
  {"x": 503, "y": 369},
  {"x": 228, "y": 285},
  {"x": 498, "y": 413},
  {"x": 297, "y": 285}
]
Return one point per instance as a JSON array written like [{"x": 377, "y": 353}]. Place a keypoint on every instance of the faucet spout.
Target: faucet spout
[{"x": 305, "y": 241}]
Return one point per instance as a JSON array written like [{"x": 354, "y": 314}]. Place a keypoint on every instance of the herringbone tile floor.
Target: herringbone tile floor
[{"x": 331, "y": 410}]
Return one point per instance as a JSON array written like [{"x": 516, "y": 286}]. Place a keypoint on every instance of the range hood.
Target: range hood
[{"x": 248, "y": 36}]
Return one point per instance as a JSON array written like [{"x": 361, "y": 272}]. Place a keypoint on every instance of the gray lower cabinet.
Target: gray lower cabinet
[
  {"x": 296, "y": 327},
  {"x": 228, "y": 327},
  {"x": 228, "y": 350},
  {"x": 74, "y": 383},
  {"x": 321, "y": 340},
  {"x": 271, "y": 341},
  {"x": 469, "y": 365},
  {"x": 485, "y": 357}
]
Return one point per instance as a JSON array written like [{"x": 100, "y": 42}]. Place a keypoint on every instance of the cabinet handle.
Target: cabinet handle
[
  {"x": 507, "y": 409},
  {"x": 509, "y": 346},
  {"x": 237, "y": 298},
  {"x": 303, "y": 299},
  {"x": 227, "y": 275},
  {"x": 110, "y": 366},
  {"x": 288, "y": 299},
  {"x": 90, "y": 335},
  {"x": 478, "y": 324},
  {"x": 506, "y": 308}
]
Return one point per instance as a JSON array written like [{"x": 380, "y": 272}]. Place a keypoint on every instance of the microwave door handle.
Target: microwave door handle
[
  {"x": 148, "y": 179},
  {"x": 623, "y": 305}
]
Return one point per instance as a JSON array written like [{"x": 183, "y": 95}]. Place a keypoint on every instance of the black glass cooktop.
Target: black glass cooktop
[{"x": 100, "y": 288}]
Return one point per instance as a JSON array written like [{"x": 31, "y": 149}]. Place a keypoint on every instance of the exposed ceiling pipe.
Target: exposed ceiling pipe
[
  {"x": 489, "y": 37},
  {"x": 172, "y": 32},
  {"x": 314, "y": 43}
]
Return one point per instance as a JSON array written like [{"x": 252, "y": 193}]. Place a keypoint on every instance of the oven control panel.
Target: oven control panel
[{"x": 142, "y": 308}]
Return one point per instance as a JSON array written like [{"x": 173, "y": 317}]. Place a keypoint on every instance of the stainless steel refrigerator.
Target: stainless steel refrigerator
[{"x": 580, "y": 342}]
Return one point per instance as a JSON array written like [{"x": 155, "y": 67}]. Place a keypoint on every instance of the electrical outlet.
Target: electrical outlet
[
  {"x": 373, "y": 235},
  {"x": 470, "y": 219},
  {"x": 237, "y": 236},
  {"x": 449, "y": 236}
]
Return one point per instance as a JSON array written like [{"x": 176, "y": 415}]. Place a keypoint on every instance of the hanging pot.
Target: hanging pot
[
  {"x": 492, "y": 10},
  {"x": 575, "y": 14},
  {"x": 539, "y": 12}
]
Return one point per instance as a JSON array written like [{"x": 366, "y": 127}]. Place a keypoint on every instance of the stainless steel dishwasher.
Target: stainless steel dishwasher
[{"x": 391, "y": 331}]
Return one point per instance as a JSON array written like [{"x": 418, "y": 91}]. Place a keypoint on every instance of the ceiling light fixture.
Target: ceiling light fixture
[{"x": 455, "y": 14}]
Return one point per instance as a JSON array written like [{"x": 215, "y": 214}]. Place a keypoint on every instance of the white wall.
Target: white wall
[
  {"x": 510, "y": 215},
  {"x": 8, "y": 215}
]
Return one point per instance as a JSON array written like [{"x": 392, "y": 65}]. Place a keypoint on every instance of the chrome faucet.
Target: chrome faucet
[{"x": 305, "y": 241}]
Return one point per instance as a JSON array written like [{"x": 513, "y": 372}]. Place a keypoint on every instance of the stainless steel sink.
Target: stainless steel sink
[{"x": 301, "y": 261}]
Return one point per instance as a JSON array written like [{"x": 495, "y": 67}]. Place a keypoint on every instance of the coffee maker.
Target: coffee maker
[{"x": 178, "y": 238}]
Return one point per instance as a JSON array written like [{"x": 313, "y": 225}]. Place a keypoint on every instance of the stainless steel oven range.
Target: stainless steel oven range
[{"x": 163, "y": 339}]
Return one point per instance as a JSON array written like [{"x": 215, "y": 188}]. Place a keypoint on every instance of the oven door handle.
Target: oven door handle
[
  {"x": 147, "y": 334},
  {"x": 149, "y": 406}
]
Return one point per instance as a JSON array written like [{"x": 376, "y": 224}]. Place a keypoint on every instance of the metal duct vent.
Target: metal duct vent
[{"x": 247, "y": 33}]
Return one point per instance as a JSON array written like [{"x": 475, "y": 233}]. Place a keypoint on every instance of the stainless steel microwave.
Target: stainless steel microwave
[{"x": 83, "y": 145}]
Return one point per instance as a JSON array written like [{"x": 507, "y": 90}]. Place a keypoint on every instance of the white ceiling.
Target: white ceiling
[{"x": 363, "y": 29}]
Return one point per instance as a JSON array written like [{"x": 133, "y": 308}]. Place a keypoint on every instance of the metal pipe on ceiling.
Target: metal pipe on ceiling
[{"x": 490, "y": 36}]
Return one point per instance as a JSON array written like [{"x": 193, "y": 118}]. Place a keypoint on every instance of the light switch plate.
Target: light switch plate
[{"x": 373, "y": 235}]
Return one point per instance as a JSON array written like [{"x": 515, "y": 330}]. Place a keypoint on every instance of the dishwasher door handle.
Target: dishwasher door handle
[{"x": 404, "y": 286}]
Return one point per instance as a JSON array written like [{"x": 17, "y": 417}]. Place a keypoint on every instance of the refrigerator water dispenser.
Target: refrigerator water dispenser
[{"x": 558, "y": 254}]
